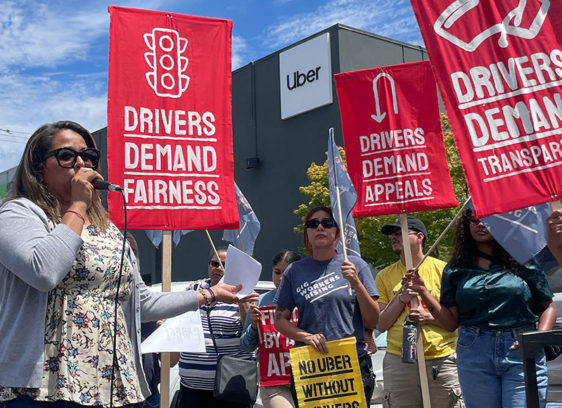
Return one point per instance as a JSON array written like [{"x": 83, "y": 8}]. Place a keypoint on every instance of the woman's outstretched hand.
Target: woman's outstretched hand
[{"x": 227, "y": 294}]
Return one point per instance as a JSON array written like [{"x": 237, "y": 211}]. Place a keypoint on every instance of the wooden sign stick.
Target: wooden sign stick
[
  {"x": 166, "y": 287},
  {"x": 414, "y": 302}
]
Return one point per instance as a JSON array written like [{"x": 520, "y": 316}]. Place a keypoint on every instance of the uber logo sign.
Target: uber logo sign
[
  {"x": 305, "y": 76},
  {"x": 299, "y": 79}
]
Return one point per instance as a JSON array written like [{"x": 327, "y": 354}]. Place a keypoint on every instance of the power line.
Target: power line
[
  {"x": 15, "y": 138},
  {"x": 14, "y": 131},
  {"x": 12, "y": 137}
]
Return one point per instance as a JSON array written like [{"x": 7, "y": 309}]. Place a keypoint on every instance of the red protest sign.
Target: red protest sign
[
  {"x": 499, "y": 68},
  {"x": 274, "y": 350},
  {"x": 393, "y": 141},
  {"x": 169, "y": 120}
]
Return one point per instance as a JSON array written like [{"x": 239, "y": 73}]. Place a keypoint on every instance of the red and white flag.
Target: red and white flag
[
  {"x": 393, "y": 140},
  {"x": 169, "y": 133},
  {"x": 498, "y": 65}
]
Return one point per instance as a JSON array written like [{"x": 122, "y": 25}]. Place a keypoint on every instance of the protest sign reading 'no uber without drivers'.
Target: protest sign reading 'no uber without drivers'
[
  {"x": 499, "y": 69},
  {"x": 169, "y": 120},
  {"x": 275, "y": 361},
  {"x": 393, "y": 141},
  {"x": 331, "y": 380}
]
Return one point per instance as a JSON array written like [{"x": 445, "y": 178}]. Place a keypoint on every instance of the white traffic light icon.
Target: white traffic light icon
[{"x": 165, "y": 60}]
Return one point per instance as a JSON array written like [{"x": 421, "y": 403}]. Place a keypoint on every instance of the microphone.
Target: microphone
[{"x": 100, "y": 184}]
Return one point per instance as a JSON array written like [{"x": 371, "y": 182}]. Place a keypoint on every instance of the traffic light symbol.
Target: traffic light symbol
[{"x": 165, "y": 60}]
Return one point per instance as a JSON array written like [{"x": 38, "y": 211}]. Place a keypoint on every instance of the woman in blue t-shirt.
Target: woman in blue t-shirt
[
  {"x": 493, "y": 299},
  {"x": 318, "y": 286}
]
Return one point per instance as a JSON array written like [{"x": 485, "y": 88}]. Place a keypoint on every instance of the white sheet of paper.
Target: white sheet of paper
[
  {"x": 180, "y": 333},
  {"x": 241, "y": 268}
]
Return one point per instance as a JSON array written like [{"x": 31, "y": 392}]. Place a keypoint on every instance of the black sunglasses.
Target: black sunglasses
[
  {"x": 326, "y": 223},
  {"x": 216, "y": 264},
  {"x": 474, "y": 221},
  {"x": 66, "y": 157}
]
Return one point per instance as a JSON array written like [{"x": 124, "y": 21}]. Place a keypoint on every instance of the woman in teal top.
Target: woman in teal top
[{"x": 493, "y": 299}]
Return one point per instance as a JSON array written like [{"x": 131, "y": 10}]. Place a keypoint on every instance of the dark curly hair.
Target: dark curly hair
[{"x": 465, "y": 252}]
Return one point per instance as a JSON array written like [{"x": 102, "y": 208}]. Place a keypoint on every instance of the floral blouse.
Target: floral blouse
[{"x": 79, "y": 329}]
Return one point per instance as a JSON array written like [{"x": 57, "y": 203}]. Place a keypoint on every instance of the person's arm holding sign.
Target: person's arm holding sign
[
  {"x": 283, "y": 325},
  {"x": 367, "y": 305},
  {"x": 249, "y": 339},
  {"x": 447, "y": 317},
  {"x": 285, "y": 304},
  {"x": 389, "y": 312},
  {"x": 243, "y": 307},
  {"x": 418, "y": 313}
]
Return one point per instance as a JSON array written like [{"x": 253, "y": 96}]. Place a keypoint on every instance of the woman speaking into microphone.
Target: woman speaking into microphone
[{"x": 59, "y": 270}]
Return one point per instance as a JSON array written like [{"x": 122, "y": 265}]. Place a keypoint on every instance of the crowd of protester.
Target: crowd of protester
[{"x": 71, "y": 319}]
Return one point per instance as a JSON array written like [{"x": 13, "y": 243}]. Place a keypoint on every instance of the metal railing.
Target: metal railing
[{"x": 530, "y": 344}]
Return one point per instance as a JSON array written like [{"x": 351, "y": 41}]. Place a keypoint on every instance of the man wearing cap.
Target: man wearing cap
[{"x": 401, "y": 380}]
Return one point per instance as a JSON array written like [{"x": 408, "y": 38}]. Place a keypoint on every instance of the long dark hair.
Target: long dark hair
[
  {"x": 308, "y": 217},
  {"x": 28, "y": 181},
  {"x": 466, "y": 252}
]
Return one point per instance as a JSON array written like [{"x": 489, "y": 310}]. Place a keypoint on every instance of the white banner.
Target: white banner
[{"x": 180, "y": 333}]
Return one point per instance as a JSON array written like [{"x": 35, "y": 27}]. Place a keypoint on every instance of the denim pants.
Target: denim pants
[
  {"x": 491, "y": 373},
  {"x": 153, "y": 401}
]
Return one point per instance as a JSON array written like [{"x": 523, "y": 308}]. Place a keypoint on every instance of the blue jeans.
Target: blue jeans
[
  {"x": 153, "y": 401},
  {"x": 490, "y": 373}
]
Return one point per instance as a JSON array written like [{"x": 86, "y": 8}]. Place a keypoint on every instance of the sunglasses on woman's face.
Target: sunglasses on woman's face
[
  {"x": 474, "y": 221},
  {"x": 326, "y": 223},
  {"x": 216, "y": 264},
  {"x": 66, "y": 157}
]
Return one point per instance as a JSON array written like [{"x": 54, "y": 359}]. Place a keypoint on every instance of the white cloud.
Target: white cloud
[
  {"x": 239, "y": 51},
  {"x": 48, "y": 50},
  {"x": 27, "y": 102},
  {"x": 37, "y": 35},
  {"x": 368, "y": 15}
]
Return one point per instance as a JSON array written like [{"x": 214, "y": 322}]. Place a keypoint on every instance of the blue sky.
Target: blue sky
[{"x": 53, "y": 54}]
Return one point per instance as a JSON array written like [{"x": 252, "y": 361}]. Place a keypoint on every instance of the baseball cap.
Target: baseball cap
[{"x": 414, "y": 224}]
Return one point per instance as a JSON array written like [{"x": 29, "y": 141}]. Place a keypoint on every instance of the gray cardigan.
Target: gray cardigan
[{"x": 33, "y": 260}]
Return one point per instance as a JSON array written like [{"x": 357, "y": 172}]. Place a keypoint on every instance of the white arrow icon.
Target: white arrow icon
[{"x": 379, "y": 117}]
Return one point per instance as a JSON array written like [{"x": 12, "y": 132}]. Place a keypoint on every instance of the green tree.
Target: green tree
[{"x": 375, "y": 247}]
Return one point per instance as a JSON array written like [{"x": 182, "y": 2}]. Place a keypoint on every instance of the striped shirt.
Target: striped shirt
[{"x": 197, "y": 370}]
